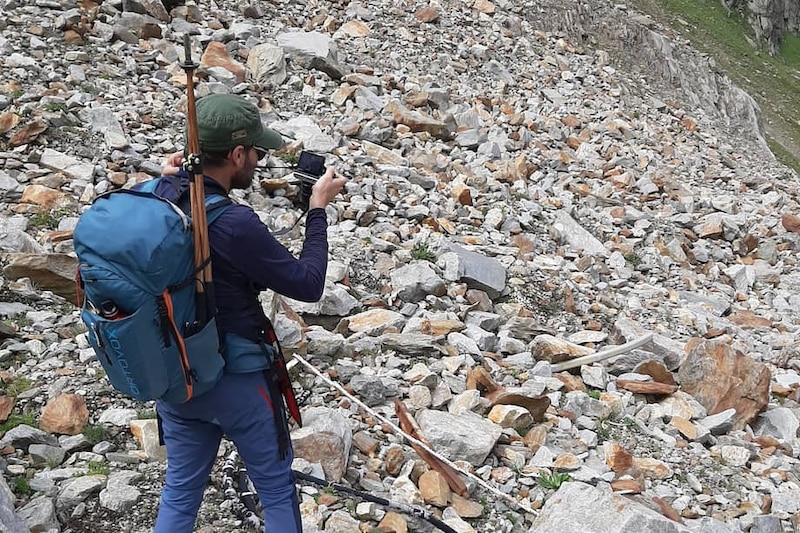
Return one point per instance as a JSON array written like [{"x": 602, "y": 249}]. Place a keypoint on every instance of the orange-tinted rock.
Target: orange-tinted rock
[{"x": 721, "y": 378}]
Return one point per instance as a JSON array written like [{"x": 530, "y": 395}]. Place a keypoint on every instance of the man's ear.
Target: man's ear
[{"x": 238, "y": 155}]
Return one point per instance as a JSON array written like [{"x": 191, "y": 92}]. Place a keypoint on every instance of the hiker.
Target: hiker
[{"x": 245, "y": 405}]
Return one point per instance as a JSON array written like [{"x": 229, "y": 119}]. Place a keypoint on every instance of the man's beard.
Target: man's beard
[{"x": 242, "y": 180}]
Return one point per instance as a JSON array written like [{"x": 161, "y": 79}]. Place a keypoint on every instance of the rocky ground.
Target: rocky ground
[{"x": 516, "y": 201}]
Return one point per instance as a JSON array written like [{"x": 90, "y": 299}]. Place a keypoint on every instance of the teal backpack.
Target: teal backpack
[{"x": 137, "y": 292}]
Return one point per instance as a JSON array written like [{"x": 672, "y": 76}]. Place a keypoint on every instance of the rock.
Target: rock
[
  {"x": 580, "y": 240},
  {"x": 417, "y": 121},
  {"x": 325, "y": 438},
  {"x": 54, "y": 272},
  {"x": 103, "y": 120},
  {"x": 581, "y": 507},
  {"x": 266, "y": 65},
  {"x": 45, "y": 197},
  {"x": 312, "y": 50},
  {"x": 551, "y": 202},
  {"x": 74, "y": 491},
  {"x": 721, "y": 378},
  {"x": 780, "y": 422},
  {"x": 465, "y": 436},
  {"x": 375, "y": 321},
  {"x": 434, "y": 488},
  {"x": 12, "y": 523},
  {"x": 474, "y": 269},
  {"x": 414, "y": 282},
  {"x": 146, "y": 433},
  {"x": 66, "y": 414},
  {"x": 216, "y": 55},
  {"x": 554, "y": 350},
  {"x": 38, "y": 514},
  {"x": 6, "y": 405},
  {"x": 393, "y": 522}
]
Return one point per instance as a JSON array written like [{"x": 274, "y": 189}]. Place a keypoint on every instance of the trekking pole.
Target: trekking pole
[{"x": 194, "y": 166}]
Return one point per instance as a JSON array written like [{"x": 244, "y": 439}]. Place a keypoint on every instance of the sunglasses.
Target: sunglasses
[{"x": 261, "y": 154}]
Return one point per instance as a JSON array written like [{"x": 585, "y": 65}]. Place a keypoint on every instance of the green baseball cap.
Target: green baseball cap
[{"x": 225, "y": 121}]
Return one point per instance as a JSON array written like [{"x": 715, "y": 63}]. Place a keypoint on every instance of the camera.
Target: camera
[{"x": 310, "y": 167}]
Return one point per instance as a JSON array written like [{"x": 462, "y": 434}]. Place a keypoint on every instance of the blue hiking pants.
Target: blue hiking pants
[{"x": 240, "y": 408}]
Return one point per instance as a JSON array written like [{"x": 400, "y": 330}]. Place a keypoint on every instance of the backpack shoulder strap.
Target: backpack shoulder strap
[
  {"x": 149, "y": 185},
  {"x": 216, "y": 204}
]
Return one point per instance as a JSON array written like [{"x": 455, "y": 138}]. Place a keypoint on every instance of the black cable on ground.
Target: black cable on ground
[{"x": 412, "y": 510}]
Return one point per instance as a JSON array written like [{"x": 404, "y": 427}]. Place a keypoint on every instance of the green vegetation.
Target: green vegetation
[
  {"x": 553, "y": 481},
  {"x": 95, "y": 434},
  {"x": 18, "y": 386},
  {"x": 288, "y": 157},
  {"x": 43, "y": 219},
  {"x": 22, "y": 486},
  {"x": 728, "y": 38},
  {"x": 593, "y": 394},
  {"x": 485, "y": 504},
  {"x": 421, "y": 252},
  {"x": 18, "y": 420},
  {"x": 19, "y": 320},
  {"x": 145, "y": 414},
  {"x": 50, "y": 219},
  {"x": 633, "y": 259},
  {"x": 54, "y": 107},
  {"x": 782, "y": 155},
  {"x": 94, "y": 468}
]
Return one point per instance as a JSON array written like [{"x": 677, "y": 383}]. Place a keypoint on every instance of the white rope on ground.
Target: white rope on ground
[{"x": 419, "y": 443}]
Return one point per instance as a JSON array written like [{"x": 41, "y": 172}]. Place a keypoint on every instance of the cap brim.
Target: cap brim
[{"x": 269, "y": 140}]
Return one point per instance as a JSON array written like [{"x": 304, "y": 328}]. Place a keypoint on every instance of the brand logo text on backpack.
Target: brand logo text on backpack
[{"x": 123, "y": 363}]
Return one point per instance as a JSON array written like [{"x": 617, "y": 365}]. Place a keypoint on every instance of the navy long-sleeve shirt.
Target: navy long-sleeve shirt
[{"x": 247, "y": 259}]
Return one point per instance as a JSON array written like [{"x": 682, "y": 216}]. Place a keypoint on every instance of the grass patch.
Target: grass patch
[
  {"x": 19, "y": 320},
  {"x": 18, "y": 420},
  {"x": 50, "y": 219},
  {"x": 726, "y": 36},
  {"x": 553, "y": 481},
  {"x": 22, "y": 486},
  {"x": 633, "y": 259},
  {"x": 782, "y": 155},
  {"x": 790, "y": 49},
  {"x": 145, "y": 414},
  {"x": 288, "y": 157},
  {"x": 18, "y": 386},
  {"x": 422, "y": 252},
  {"x": 94, "y": 468},
  {"x": 95, "y": 434},
  {"x": 54, "y": 107}
]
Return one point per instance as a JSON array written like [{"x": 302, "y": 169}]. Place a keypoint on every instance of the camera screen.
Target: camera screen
[{"x": 311, "y": 163}]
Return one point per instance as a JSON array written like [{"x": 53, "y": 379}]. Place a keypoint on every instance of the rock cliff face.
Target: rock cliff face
[
  {"x": 637, "y": 44},
  {"x": 769, "y": 19}
]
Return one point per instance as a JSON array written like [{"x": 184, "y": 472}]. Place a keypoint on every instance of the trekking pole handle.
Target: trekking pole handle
[
  {"x": 188, "y": 63},
  {"x": 191, "y": 115}
]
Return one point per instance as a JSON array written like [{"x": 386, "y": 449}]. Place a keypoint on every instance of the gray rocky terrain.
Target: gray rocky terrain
[{"x": 524, "y": 190}]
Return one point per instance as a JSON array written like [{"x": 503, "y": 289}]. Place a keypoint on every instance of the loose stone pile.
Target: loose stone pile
[{"x": 515, "y": 201}]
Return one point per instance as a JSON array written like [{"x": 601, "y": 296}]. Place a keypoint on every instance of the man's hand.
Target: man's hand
[
  {"x": 173, "y": 164},
  {"x": 326, "y": 189}
]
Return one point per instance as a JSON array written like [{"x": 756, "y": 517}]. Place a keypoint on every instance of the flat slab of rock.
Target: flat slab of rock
[
  {"x": 721, "y": 378},
  {"x": 581, "y": 507}
]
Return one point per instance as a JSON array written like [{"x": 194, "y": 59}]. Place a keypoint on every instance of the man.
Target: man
[{"x": 246, "y": 259}]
